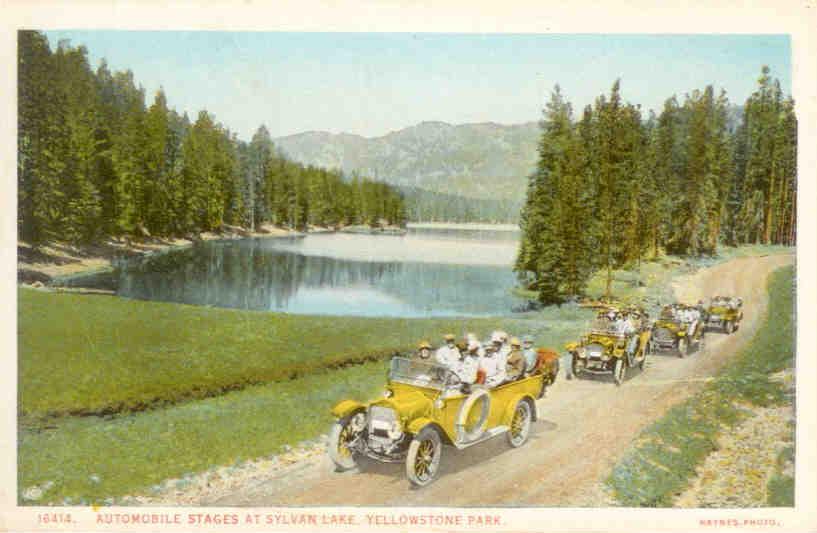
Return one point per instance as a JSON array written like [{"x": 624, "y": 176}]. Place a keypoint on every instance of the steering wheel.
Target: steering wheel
[{"x": 453, "y": 380}]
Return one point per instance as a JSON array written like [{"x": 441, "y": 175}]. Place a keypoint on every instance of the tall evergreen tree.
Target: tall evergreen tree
[{"x": 541, "y": 247}]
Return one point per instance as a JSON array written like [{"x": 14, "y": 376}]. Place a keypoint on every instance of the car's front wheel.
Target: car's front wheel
[
  {"x": 682, "y": 347},
  {"x": 520, "y": 424},
  {"x": 618, "y": 371},
  {"x": 423, "y": 458},
  {"x": 729, "y": 327},
  {"x": 341, "y": 436},
  {"x": 575, "y": 369}
]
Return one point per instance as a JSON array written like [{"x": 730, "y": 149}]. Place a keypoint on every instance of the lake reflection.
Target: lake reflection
[{"x": 420, "y": 274}]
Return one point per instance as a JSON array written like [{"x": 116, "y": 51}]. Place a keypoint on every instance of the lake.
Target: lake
[{"x": 430, "y": 271}]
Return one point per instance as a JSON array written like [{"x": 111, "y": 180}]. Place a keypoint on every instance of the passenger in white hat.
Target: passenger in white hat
[
  {"x": 472, "y": 359},
  {"x": 493, "y": 365},
  {"x": 448, "y": 354}
]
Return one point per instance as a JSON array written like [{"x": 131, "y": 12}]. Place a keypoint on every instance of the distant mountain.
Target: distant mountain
[{"x": 485, "y": 160}]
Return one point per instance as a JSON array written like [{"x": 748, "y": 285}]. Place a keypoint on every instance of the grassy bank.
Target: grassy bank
[
  {"x": 667, "y": 453},
  {"x": 89, "y": 459},
  {"x": 95, "y": 354},
  {"x": 92, "y": 458}
]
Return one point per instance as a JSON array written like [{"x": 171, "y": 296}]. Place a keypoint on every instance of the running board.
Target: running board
[
  {"x": 493, "y": 432},
  {"x": 594, "y": 371}
]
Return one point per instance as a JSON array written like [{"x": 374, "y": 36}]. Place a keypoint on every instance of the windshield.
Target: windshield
[
  {"x": 419, "y": 373},
  {"x": 603, "y": 325},
  {"x": 669, "y": 315}
]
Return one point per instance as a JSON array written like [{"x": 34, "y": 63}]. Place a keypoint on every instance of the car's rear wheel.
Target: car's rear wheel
[
  {"x": 618, "y": 371},
  {"x": 520, "y": 424},
  {"x": 729, "y": 327},
  {"x": 423, "y": 459},
  {"x": 340, "y": 437},
  {"x": 682, "y": 347}
]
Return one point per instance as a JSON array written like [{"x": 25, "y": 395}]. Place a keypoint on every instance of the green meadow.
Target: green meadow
[
  {"x": 176, "y": 389},
  {"x": 82, "y": 354}
]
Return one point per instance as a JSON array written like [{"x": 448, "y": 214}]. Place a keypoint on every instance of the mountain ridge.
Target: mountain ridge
[{"x": 484, "y": 160}]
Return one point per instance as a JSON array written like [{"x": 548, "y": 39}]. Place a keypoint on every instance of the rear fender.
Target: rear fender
[
  {"x": 507, "y": 416},
  {"x": 346, "y": 408}
]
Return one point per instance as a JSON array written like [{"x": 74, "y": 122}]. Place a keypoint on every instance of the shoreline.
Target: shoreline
[
  {"x": 475, "y": 226},
  {"x": 40, "y": 266},
  {"x": 57, "y": 261}
]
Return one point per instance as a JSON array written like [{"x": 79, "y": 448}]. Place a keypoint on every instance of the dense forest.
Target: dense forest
[
  {"x": 613, "y": 187},
  {"x": 95, "y": 160},
  {"x": 431, "y": 206}
]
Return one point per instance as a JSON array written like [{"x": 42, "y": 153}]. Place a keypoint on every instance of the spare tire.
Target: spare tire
[{"x": 468, "y": 428}]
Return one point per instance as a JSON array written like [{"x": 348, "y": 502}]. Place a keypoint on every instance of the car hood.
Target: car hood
[
  {"x": 407, "y": 401},
  {"x": 608, "y": 341},
  {"x": 668, "y": 324}
]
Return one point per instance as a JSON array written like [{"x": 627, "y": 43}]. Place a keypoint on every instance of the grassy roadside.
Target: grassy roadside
[
  {"x": 96, "y": 355},
  {"x": 84, "y": 460},
  {"x": 95, "y": 459},
  {"x": 667, "y": 453}
]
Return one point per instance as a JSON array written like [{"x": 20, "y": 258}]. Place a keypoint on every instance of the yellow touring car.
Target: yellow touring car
[
  {"x": 724, "y": 313},
  {"x": 604, "y": 350},
  {"x": 425, "y": 407}
]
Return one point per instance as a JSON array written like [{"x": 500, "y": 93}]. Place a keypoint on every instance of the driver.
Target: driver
[
  {"x": 692, "y": 316},
  {"x": 628, "y": 330},
  {"x": 423, "y": 352},
  {"x": 448, "y": 355}
]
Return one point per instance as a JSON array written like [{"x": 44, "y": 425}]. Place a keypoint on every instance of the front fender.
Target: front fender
[
  {"x": 346, "y": 407},
  {"x": 507, "y": 416},
  {"x": 417, "y": 425}
]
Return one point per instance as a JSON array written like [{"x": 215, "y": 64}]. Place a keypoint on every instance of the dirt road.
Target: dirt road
[{"x": 586, "y": 426}]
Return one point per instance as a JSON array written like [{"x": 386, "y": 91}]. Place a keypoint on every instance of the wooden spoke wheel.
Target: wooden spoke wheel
[
  {"x": 423, "y": 459},
  {"x": 520, "y": 424},
  {"x": 682, "y": 347},
  {"x": 341, "y": 436},
  {"x": 618, "y": 371}
]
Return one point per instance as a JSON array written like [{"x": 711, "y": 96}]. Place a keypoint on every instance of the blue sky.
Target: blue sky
[{"x": 370, "y": 84}]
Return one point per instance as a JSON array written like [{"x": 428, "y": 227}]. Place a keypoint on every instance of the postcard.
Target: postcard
[{"x": 392, "y": 267}]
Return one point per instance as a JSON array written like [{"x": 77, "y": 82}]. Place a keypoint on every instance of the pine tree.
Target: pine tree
[
  {"x": 541, "y": 249},
  {"x": 128, "y": 156},
  {"x": 613, "y": 157},
  {"x": 157, "y": 183},
  {"x": 258, "y": 191},
  {"x": 37, "y": 163}
]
